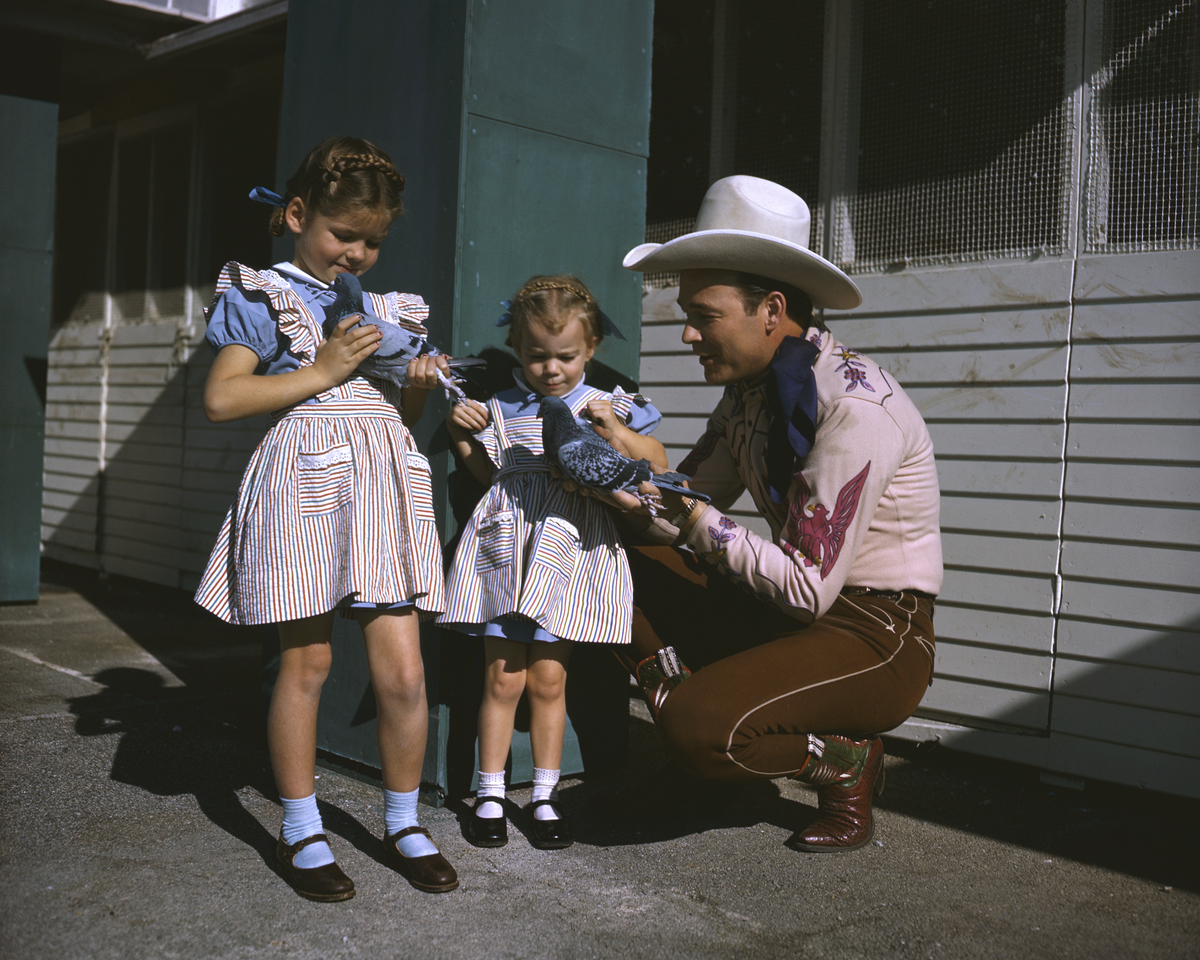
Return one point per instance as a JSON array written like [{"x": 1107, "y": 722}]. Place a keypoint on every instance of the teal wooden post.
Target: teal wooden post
[
  {"x": 27, "y": 157},
  {"x": 523, "y": 130}
]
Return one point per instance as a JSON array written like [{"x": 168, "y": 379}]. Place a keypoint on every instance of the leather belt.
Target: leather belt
[{"x": 925, "y": 601}]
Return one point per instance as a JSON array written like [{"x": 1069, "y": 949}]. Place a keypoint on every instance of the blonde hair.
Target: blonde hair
[
  {"x": 341, "y": 175},
  {"x": 551, "y": 302}
]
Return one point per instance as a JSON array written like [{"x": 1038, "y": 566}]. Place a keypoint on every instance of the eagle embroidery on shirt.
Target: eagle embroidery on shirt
[{"x": 818, "y": 536}]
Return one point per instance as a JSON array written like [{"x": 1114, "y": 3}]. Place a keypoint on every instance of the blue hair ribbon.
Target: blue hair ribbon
[
  {"x": 263, "y": 195},
  {"x": 606, "y": 325}
]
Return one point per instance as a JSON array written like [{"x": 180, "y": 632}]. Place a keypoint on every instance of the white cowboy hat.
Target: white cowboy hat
[{"x": 753, "y": 226}]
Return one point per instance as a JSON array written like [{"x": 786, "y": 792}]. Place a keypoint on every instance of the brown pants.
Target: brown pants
[{"x": 762, "y": 681}]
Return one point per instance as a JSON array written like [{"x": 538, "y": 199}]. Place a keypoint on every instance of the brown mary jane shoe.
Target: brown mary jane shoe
[
  {"x": 326, "y": 884},
  {"x": 431, "y": 873}
]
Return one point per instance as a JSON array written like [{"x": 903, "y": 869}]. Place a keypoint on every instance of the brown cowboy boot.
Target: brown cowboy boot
[
  {"x": 657, "y": 676},
  {"x": 846, "y": 774}
]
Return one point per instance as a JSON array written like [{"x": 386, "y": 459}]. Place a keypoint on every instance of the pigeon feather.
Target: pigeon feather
[
  {"x": 397, "y": 349},
  {"x": 591, "y": 461}
]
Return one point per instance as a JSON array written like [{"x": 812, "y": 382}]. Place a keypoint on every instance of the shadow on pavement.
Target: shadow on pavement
[
  {"x": 1136, "y": 832},
  {"x": 205, "y": 738}
]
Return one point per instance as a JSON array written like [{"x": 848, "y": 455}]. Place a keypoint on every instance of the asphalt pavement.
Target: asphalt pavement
[{"x": 139, "y": 821}]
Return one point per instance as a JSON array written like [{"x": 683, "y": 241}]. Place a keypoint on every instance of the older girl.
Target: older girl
[{"x": 334, "y": 511}]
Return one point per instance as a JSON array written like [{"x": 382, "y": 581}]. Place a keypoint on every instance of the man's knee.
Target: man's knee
[{"x": 689, "y": 740}]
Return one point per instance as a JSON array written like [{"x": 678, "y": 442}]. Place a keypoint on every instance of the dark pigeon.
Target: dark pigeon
[
  {"x": 591, "y": 461},
  {"x": 397, "y": 349}
]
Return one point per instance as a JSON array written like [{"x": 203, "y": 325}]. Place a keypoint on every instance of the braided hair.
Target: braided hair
[
  {"x": 340, "y": 175},
  {"x": 551, "y": 302}
]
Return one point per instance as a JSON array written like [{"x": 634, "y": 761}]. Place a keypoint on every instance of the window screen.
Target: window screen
[
  {"x": 962, "y": 137},
  {"x": 1144, "y": 173},
  {"x": 150, "y": 258},
  {"x": 765, "y": 98}
]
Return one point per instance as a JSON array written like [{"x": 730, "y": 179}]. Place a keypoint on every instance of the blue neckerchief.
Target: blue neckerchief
[{"x": 792, "y": 399}]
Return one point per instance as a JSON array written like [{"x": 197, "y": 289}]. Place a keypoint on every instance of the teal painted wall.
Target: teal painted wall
[
  {"x": 522, "y": 129},
  {"x": 555, "y": 145},
  {"x": 27, "y": 156}
]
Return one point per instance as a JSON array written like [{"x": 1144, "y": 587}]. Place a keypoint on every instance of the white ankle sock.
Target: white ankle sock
[
  {"x": 544, "y": 784},
  {"x": 400, "y": 811},
  {"x": 491, "y": 785},
  {"x": 302, "y": 819}
]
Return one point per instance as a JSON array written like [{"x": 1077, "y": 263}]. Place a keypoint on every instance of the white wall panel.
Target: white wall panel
[
  {"x": 1127, "y": 680},
  {"x": 1130, "y": 643}
]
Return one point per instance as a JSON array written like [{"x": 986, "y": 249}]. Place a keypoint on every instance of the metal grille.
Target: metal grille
[
  {"x": 1143, "y": 188},
  {"x": 962, "y": 150},
  {"x": 759, "y": 114}
]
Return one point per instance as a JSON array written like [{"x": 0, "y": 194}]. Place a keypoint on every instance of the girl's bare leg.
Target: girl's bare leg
[
  {"x": 546, "y": 685},
  {"x": 393, "y": 644},
  {"x": 304, "y": 660},
  {"x": 504, "y": 681},
  {"x": 547, "y": 689},
  {"x": 393, "y": 641}
]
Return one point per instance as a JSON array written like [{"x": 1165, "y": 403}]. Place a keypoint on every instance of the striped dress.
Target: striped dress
[
  {"x": 533, "y": 552},
  {"x": 336, "y": 504}
]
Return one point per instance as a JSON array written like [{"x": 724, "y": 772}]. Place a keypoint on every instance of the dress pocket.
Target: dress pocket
[
  {"x": 325, "y": 480},
  {"x": 420, "y": 482},
  {"x": 496, "y": 539},
  {"x": 557, "y": 545},
  {"x": 546, "y": 594}
]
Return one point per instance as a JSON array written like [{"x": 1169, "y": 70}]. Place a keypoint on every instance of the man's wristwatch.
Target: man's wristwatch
[{"x": 689, "y": 504}]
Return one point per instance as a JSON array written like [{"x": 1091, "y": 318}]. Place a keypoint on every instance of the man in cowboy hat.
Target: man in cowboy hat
[{"x": 807, "y": 644}]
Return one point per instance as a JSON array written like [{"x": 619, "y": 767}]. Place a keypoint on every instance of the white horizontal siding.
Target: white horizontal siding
[
  {"x": 988, "y": 373},
  {"x": 169, "y": 475},
  {"x": 1127, "y": 674},
  {"x": 72, "y": 452}
]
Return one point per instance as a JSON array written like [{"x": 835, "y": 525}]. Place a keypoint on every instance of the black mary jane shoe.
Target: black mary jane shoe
[
  {"x": 549, "y": 834},
  {"x": 326, "y": 884},
  {"x": 431, "y": 873},
  {"x": 486, "y": 831}
]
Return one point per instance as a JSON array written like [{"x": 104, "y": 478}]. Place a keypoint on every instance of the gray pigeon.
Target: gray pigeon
[
  {"x": 590, "y": 460},
  {"x": 397, "y": 349}
]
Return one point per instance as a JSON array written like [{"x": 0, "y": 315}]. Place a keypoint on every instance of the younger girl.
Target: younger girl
[
  {"x": 537, "y": 567},
  {"x": 335, "y": 508}
]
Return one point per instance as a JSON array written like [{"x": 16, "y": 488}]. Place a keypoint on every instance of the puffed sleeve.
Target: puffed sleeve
[
  {"x": 487, "y": 436},
  {"x": 245, "y": 318},
  {"x": 639, "y": 414}
]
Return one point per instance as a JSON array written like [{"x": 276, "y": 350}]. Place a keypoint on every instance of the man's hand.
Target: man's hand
[{"x": 621, "y": 500}]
